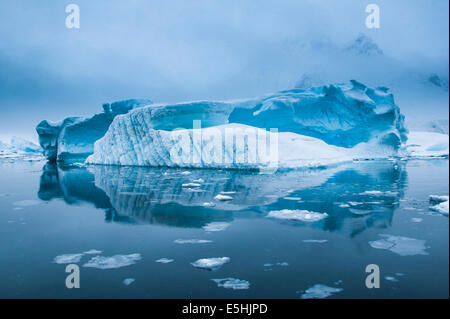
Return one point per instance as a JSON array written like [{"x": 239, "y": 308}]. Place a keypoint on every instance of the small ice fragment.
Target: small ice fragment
[
  {"x": 27, "y": 202},
  {"x": 319, "y": 241},
  {"x": 208, "y": 204},
  {"x": 416, "y": 220},
  {"x": 211, "y": 263},
  {"x": 92, "y": 252},
  {"x": 68, "y": 259},
  {"x": 268, "y": 265},
  {"x": 189, "y": 185},
  {"x": 216, "y": 226},
  {"x": 375, "y": 193},
  {"x": 354, "y": 203},
  {"x": 112, "y": 262},
  {"x": 198, "y": 180},
  {"x": 228, "y": 192},
  {"x": 438, "y": 198},
  {"x": 232, "y": 283},
  {"x": 344, "y": 205},
  {"x": 403, "y": 246},
  {"x": 390, "y": 278},
  {"x": 399, "y": 274},
  {"x": 297, "y": 214},
  {"x": 319, "y": 292},
  {"x": 292, "y": 198},
  {"x": 128, "y": 281},
  {"x": 283, "y": 264},
  {"x": 164, "y": 260},
  {"x": 440, "y": 204},
  {"x": 223, "y": 197},
  {"x": 186, "y": 173},
  {"x": 192, "y": 241}
]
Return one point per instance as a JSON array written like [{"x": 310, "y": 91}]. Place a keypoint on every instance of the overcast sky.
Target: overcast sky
[{"x": 173, "y": 50}]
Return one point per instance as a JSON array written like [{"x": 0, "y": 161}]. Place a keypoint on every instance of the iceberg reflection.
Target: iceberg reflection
[{"x": 355, "y": 196}]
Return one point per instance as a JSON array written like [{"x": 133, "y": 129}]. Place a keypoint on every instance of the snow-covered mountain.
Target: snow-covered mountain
[{"x": 421, "y": 90}]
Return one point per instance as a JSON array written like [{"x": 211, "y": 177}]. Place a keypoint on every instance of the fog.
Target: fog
[{"x": 175, "y": 50}]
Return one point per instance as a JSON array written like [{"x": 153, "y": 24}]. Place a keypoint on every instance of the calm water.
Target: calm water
[{"x": 371, "y": 207}]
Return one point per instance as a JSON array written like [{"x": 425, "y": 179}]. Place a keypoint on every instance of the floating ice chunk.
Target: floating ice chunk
[
  {"x": 112, "y": 262},
  {"x": 128, "y": 281},
  {"x": 283, "y": 264},
  {"x": 211, "y": 263},
  {"x": 354, "y": 203},
  {"x": 297, "y": 214},
  {"x": 68, "y": 259},
  {"x": 399, "y": 274},
  {"x": 390, "y": 278},
  {"x": 192, "y": 241},
  {"x": 208, "y": 204},
  {"x": 198, "y": 180},
  {"x": 164, "y": 260},
  {"x": 232, "y": 283},
  {"x": 416, "y": 220},
  {"x": 228, "y": 193},
  {"x": 319, "y": 292},
  {"x": 188, "y": 185},
  {"x": 186, "y": 173},
  {"x": 292, "y": 198},
  {"x": 319, "y": 241},
  {"x": 268, "y": 265},
  {"x": 379, "y": 193},
  {"x": 441, "y": 208},
  {"x": 440, "y": 204},
  {"x": 27, "y": 202},
  {"x": 223, "y": 197},
  {"x": 92, "y": 252},
  {"x": 344, "y": 205},
  {"x": 403, "y": 246},
  {"x": 216, "y": 226}
]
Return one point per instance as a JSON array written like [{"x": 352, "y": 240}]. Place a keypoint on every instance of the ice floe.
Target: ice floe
[
  {"x": 439, "y": 204},
  {"x": 297, "y": 214},
  {"x": 403, "y": 246},
  {"x": 292, "y": 198},
  {"x": 164, "y": 260},
  {"x": 92, "y": 252},
  {"x": 128, "y": 281},
  {"x": 211, "y": 263},
  {"x": 192, "y": 241},
  {"x": 390, "y": 278},
  {"x": 416, "y": 220},
  {"x": 216, "y": 226},
  {"x": 318, "y": 241},
  {"x": 232, "y": 283},
  {"x": 112, "y": 262},
  {"x": 320, "y": 291},
  {"x": 222, "y": 197},
  {"x": 68, "y": 258}
]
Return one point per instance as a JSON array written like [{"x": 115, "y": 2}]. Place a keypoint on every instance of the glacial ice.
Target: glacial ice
[
  {"x": 73, "y": 138},
  {"x": 20, "y": 148},
  {"x": 439, "y": 204},
  {"x": 232, "y": 283},
  {"x": 320, "y": 291},
  {"x": 403, "y": 246},
  {"x": 297, "y": 214},
  {"x": 315, "y": 127},
  {"x": 113, "y": 262},
  {"x": 427, "y": 144},
  {"x": 211, "y": 263}
]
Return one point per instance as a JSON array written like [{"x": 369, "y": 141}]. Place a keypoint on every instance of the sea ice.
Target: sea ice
[
  {"x": 92, "y": 252},
  {"x": 128, "y": 281},
  {"x": 320, "y": 291},
  {"x": 211, "y": 263},
  {"x": 216, "y": 226},
  {"x": 192, "y": 241},
  {"x": 319, "y": 241},
  {"x": 232, "y": 283},
  {"x": 221, "y": 197},
  {"x": 68, "y": 258},
  {"x": 164, "y": 260},
  {"x": 403, "y": 246},
  {"x": 112, "y": 262},
  {"x": 301, "y": 215}
]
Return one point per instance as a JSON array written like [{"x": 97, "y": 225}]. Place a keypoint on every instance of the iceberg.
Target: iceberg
[
  {"x": 20, "y": 148},
  {"x": 72, "y": 139},
  {"x": 315, "y": 127},
  {"x": 427, "y": 144}
]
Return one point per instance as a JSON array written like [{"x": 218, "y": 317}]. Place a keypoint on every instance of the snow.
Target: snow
[
  {"x": 68, "y": 258},
  {"x": 232, "y": 283},
  {"x": 403, "y": 246},
  {"x": 427, "y": 144},
  {"x": 211, "y": 263},
  {"x": 301, "y": 215},
  {"x": 113, "y": 262},
  {"x": 320, "y": 291}
]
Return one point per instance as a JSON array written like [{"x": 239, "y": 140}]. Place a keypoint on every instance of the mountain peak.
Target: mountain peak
[{"x": 364, "y": 45}]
